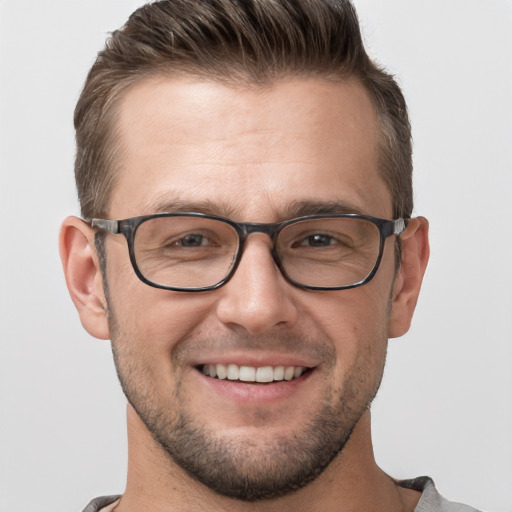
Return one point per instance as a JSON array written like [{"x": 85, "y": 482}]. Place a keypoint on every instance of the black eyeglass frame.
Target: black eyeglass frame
[{"x": 128, "y": 228}]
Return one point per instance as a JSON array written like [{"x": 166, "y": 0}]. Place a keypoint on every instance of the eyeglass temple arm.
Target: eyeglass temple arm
[{"x": 111, "y": 226}]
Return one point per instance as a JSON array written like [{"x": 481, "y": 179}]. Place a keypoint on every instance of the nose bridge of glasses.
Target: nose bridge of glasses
[
  {"x": 253, "y": 228},
  {"x": 270, "y": 229}
]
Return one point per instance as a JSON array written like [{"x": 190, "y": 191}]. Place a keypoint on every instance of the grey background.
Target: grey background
[{"x": 445, "y": 408}]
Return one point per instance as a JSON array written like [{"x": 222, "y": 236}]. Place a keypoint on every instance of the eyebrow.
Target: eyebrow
[
  {"x": 177, "y": 205},
  {"x": 302, "y": 208},
  {"x": 291, "y": 211}
]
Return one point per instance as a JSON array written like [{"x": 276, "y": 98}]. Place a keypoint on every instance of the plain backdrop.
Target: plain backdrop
[{"x": 445, "y": 407}]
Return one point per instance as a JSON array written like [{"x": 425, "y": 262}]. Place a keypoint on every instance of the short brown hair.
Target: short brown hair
[{"x": 233, "y": 42}]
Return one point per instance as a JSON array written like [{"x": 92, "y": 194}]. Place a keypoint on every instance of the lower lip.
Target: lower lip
[{"x": 253, "y": 392}]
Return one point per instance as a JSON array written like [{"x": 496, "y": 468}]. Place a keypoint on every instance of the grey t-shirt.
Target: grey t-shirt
[{"x": 430, "y": 501}]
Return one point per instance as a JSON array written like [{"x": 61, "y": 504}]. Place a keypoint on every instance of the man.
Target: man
[{"x": 244, "y": 173}]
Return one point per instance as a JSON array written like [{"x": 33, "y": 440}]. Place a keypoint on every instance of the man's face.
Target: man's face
[{"x": 253, "y": 155}]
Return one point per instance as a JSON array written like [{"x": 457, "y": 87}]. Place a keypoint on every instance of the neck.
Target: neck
[{"x": 352, "y": 482}]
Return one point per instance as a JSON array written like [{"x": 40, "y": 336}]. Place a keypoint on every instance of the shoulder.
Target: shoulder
[
  {"x": 97, "y": 504},
  {"x": 431, "y": 500}
]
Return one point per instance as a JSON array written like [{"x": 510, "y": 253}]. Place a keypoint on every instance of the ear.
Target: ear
[
  {"x": 415, "y": 252},
  {"x": 83, "y": 276}
]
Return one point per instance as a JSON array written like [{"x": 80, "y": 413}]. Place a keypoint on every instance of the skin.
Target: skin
[{"x": 250, "y": 154}]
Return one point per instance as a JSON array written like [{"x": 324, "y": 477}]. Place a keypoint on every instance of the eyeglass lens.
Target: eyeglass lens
[{"x": 194, "y": 252}]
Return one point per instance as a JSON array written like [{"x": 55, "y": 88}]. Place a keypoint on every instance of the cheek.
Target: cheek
[
  {"x": 159, "y": 319},
  {"x": 359, "y": 313},
  {"x": 356, "y": 323},
  {"x": 155, "y": 318},
  {"x": 147, "y": 326}
]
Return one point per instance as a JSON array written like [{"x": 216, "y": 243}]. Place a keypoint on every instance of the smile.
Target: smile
[{"x": 262, "y": 374}]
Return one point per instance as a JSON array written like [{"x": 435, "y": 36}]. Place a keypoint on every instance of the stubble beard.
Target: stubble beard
[{"x": 247, "y": 469}]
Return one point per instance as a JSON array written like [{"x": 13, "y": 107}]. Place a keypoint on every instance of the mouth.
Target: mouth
[{"x": 261, "y": 375}]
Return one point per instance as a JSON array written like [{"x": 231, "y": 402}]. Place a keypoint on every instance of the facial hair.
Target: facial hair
[{"x": 247, "y": 468}]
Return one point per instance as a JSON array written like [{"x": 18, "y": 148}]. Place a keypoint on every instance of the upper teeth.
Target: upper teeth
[{"x": 251, "y": 373}]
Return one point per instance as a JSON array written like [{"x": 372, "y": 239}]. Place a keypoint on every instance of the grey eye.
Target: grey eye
[{"x": 193, "y": 240}]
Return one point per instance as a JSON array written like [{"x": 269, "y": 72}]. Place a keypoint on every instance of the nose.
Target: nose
[{"x": 257, "y": 298}]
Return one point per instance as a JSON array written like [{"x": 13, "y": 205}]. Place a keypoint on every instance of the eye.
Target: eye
[
  {"x": 317, "y": 240},
  {"x": 193, "y": 240}
]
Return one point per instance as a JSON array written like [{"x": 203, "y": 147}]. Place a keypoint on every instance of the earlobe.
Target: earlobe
[
  {"x": 83, "y": 275},
  {"x": 415, "y": 253}
]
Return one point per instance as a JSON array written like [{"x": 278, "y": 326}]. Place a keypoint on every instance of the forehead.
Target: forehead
[{"x": 247, "y": 152}]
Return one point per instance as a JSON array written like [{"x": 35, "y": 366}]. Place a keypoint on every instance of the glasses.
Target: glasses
[{"x": 194, "y": 252}]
